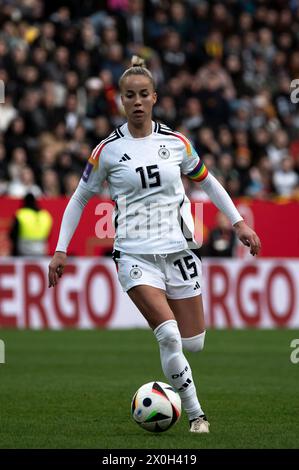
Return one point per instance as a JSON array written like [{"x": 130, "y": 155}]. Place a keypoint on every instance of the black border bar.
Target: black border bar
[{"x": 140, "y": 458}]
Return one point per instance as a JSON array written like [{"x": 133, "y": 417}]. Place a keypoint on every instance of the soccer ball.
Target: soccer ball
[{"x": 156, "y": 406}]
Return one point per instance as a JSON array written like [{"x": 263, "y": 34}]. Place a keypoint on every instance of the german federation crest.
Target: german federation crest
[
  {"x": 135, "y": 272},
  {"x": 163, "y": 152}
]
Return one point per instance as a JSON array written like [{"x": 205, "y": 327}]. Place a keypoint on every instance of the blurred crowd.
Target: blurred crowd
[{"x": 223, "y": 70}]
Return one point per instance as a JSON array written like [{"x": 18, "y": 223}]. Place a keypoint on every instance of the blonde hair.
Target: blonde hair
[{"x": 137, "y": 68}]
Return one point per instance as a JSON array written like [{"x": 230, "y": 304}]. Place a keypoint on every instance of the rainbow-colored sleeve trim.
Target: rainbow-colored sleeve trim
[
  {"x": 185, "y": 141},
  {"x": 94, "y": 157},
  {"x": 199, "y": 173},
  {"x": 92, "y": 162}
]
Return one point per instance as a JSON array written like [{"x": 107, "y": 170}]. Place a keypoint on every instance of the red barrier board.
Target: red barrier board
[
  {"x": 256, "y": 293},
  {"x": 277, "y": 224}
]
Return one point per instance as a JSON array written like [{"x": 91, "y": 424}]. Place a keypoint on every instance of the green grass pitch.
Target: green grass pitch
[{"x": 73, "y": 389}]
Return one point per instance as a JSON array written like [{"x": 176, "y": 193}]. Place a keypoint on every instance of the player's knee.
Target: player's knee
[
  {"x": 195, "y": 343},
  {"x": 168, "y": 336}
]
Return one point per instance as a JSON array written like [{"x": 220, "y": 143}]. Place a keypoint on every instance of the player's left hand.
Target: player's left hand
[{"x": 248, "y": 237}]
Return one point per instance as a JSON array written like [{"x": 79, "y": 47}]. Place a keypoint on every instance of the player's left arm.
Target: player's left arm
[
  {"x": 223, "y": 201},
  {"x": 220, "y": 198}
]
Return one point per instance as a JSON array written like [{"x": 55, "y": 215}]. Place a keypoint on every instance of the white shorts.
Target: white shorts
[{"x": 179, "y": 274}]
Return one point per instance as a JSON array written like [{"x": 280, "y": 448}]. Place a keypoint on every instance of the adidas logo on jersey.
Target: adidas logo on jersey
[
  {"x": 197, "y": 286},
  {"x": 125, "y": 158}
]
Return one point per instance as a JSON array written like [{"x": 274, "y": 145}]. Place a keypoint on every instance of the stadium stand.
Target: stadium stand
[{"x": 223, "y": 72}]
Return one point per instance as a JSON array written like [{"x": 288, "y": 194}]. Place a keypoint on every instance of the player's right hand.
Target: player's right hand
[{"x": 56, "y": 267}]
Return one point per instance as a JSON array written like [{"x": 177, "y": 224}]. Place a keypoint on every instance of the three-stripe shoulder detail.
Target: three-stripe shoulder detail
[
  {"x": 98, "y": 149},
  {"x": 119, "y": 132},
  {"x": 161, "y": 128}
]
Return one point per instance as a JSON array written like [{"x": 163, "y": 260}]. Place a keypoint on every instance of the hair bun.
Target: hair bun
[{"x": 137, "y": 61}]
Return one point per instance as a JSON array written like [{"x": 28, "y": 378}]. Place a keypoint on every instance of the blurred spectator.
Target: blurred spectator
[
  {"x": 17, "y": 163},
  {"x": 15, "y": 135},
  {"x": 173, "y": 55},
  {"x": 226, "y": 167},
  {"x": 7, "y": 113},
  {"x": 113, "y": 61},
  {"x": 193, "y": 114},
  {"x": 206, "y": 142},
  {"x": 32, "y": 113},
  {"x": 50, "y": 183},
  {"x": 222, "y": 239},
  {"x": 285, "y": 107},
  {"x": 101, "y": 129},
  {"x": 31, "y": 229},
  {"x": 26, "y": 184},
  {"x": 180, "y": 21},
  {"x": 70, "y": 183},
  {"x": 220, "y": 78},
  {"x": 285, "y": 179},
  {"x": 157, "y": 26},
  {"x": 266, "y": 171},
  {"x": 242, "y": 165},
  {"x": 225, "y": 139},
  {"x": 278, "y": 148},
  {"x": 96, "y": 103},
  {"x": 261, "y": 139},
  {"x": 166, "y": 110},
  {"x": 132, "y": 22},
  {"x": 209, "y": 161},
  {"x": 64, "y": 165},
  {"x": 256, "y": 187}
]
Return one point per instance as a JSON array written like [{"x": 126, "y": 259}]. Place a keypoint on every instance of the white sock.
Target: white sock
[{"x": 176, "y": 367}]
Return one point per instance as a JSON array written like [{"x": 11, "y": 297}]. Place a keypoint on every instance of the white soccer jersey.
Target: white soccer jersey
[{"x": 152, "y": 211}]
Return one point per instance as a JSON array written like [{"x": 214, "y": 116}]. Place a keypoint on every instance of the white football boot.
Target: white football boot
[{"x": 200, "y": 424}]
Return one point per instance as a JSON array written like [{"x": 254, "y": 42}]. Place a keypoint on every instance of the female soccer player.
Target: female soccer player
[{"x": 142, "y": 161}]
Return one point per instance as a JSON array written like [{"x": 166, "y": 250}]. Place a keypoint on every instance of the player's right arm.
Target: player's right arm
[
  {"x": 90, "y": 184},
  {"x": 70, "y": 221}
]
